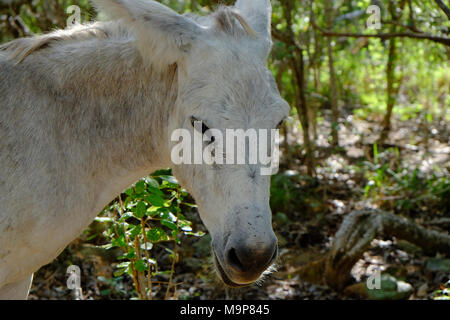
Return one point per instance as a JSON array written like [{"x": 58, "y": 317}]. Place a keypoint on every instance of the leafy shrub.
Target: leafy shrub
[
  {"x": 149, "y": 216},
  {"x": 407, "y": 190}
]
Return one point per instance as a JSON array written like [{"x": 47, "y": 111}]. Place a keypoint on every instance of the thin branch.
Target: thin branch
[
  {"x": 412, "y": 20},
  {"x": 328, "y": 33},
  {"x": 443, "y": 7},
  {"x": 282, "y": 36},
  {"x": 411, "y": 27}
]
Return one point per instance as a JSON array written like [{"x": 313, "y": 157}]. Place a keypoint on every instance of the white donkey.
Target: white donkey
[{"x": 87, "y": 111}]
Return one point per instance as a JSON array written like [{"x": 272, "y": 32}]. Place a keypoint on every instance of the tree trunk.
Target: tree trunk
[
  {"x": 281, "y": 68},
  {"x": 334, "y": 97},
  {"x": 297, "y": 62},
  {"x": 302, "y": 108},
  {"x": 391, "y": 92},
  {"x": 390, "y": 95}
]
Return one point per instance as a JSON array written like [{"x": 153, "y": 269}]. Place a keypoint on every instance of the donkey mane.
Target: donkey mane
[
  {"x": 20, "y": 49},
  {"x": 227, "y": 20}
]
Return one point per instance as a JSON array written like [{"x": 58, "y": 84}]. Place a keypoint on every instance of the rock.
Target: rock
[
  {"x": 422, "y": 292},
  {"x": 404, "y": 288},
  {"x": 390, "y": 289}
]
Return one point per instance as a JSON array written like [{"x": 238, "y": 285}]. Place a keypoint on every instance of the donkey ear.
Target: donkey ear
[
  {"x": 161, "y": 32},
  {"x": 258, "y": 14}
]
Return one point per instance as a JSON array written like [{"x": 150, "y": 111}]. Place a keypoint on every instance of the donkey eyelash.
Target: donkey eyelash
[{"x": 193, "y": 120}]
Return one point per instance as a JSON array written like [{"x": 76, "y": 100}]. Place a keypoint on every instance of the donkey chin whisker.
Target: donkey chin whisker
[{"x": 266, "y": 274}]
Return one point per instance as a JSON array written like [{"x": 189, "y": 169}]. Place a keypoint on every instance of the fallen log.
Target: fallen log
[{"x": 354, "y": 236}]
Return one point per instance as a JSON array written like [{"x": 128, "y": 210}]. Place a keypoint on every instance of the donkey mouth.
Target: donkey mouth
[
  {"x": 224, "y": 276},
  {"x": 227, "y": 280}
]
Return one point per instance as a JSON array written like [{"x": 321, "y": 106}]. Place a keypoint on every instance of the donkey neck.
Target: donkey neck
[
  {"x": 111, "y": 111},
  {"x": 84, "y": 120}
]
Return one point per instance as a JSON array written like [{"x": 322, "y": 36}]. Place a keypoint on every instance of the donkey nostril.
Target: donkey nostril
[
  {"x": 234, "y": 260},
  {"x": 251, "y": 259}
]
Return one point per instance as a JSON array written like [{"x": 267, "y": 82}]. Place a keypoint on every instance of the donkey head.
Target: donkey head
[{"x": 224, "y": 83}]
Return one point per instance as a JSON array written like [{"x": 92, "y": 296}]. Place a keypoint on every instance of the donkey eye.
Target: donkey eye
[
  {"x": 204, "y": 128},
  {"x": 280, "y": 124}
]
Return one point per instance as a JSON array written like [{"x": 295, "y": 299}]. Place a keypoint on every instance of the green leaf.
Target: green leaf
[
  {"x": 130, "y": 270},
  {"x": 140, "y": 186},
  {"x": 128, "y": 256},
  {"x": 155, "y": 200},
  {"x": 135, "y": 231},
  {"x": 152, "y": 210},
  {"x": 190, "y": 205},
  {"x": 123, "y": 264},
  {"x": 170, "y": 179},
  {"x": 121, "y": 229},
  {"x": 168, "y": 203},
  {"x": 119, "y": 242},
  {"x": 157, "y": 234},
  {"x": 187, "y": 228},
  {"x": 140, "y": 265},
  {"x": 155, "y": 191},
  {"x": 152, "y": 182},
  {"x": 169, "y": 224},
  {"x": 106, "y": 246},
  {"x": 141, "y": 209},
  {"x": 195, "y": 234},
  {"x": 125, "y": 216},
  {"x": 185, "y": 225}
]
